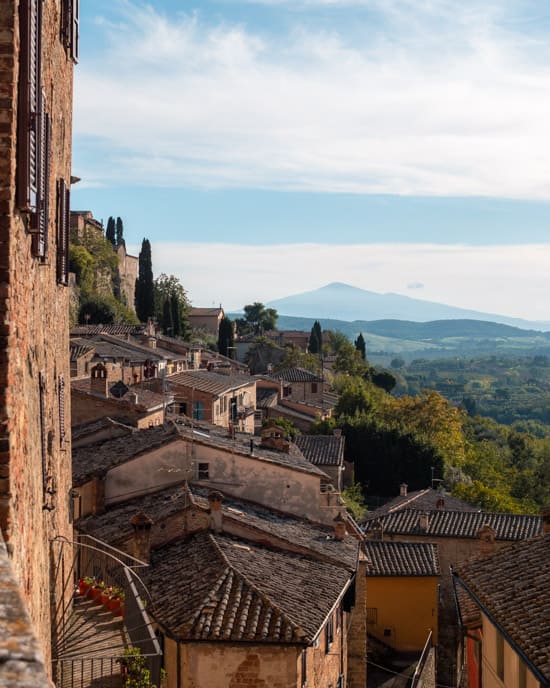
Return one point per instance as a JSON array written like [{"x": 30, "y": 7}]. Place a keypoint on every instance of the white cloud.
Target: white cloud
[
  {"x": 506, "y": 280},
  {"x": 446, "y": 103}
]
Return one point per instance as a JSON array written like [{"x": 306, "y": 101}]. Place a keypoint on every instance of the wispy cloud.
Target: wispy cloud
[
  {"x": 507, "y": 280},
  {"x": 443, "y": 102}
]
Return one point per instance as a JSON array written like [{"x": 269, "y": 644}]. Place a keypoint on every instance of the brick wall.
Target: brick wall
[{"x": 34, "y": 341}]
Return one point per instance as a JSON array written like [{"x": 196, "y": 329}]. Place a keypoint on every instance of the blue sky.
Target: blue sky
[{"x": 270, "y": 147}]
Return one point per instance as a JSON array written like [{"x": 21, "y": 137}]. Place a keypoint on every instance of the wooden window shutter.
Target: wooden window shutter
[
  {"x": 30, "y": 27},
  {"x": 70, "y": 27},
  {"x": 43, "y": 436},
  {"x": 63, "y": 218},
  {"x": 61, "y": 398},
  {"x": 41, "y": 218}
]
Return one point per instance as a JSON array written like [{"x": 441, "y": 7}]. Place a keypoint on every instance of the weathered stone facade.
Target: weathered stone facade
[
  {"x": 35, "y": 456},
  {"x": 128, "y": 273}
]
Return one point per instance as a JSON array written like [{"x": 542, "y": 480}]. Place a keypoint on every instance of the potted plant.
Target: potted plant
[
  {"x": 116, "y": 601},
  {"x": 84, "y": 585},
  {"x": 134, "y": 669}
]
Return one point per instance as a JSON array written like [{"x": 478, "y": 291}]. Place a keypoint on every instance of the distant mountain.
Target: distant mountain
[{"x": 343, "y": 302}]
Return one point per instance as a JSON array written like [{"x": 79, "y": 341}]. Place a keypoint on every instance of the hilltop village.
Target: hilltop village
[{"x": 180, "y": 514}]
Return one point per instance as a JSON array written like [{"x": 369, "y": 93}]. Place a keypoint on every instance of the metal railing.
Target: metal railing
[
  {"x": 417, "y": 677},
  {"x": 89, "y": 640}
]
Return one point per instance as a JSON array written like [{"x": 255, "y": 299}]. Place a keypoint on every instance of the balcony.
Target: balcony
[{"x": 90, "y": 643}]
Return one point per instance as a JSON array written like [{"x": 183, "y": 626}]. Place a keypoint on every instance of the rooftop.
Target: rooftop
[
  {"x": 114, "y": 525},
  {"x": 423, "y": 500},
  {"x": 322, "y": 450},
  {"x": 458, "y": 524},
  {"x": 146, "y": 399},
  {"x": 210, "y": 382},
  {"x": 511, "y": 587},
  {"x": 296, "y": 375},
  {"x": 227, "y": 591},
  {"x": 391, "y": 558}
]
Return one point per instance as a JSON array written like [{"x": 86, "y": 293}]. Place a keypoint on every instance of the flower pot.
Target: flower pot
[
  {"x": 104, "y": 599},
  {"x": 114, "y": 606},
  {"x": 83, "y": 587},
  {"x": 94, "y": 593}
]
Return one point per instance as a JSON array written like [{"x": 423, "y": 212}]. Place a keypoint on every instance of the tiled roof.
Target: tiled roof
[
  {"x": 146, "y": 399},
  {"x": 114, "y": 525},
  {"x": 265, "y": 397},
  {"x": 511, "y": 585},
  {"x": 215, "y": 587},
  {"x": 215, "y": 436},
  {"x": 201, "y": 312},
  {"x": 322, "y": 450},
  {"x": 391, "y": 558},
  {"x": 78, "y": 349},
  {"x": 87, "y": 330},
  {"x": 210, "y": 382},
  {"x": 423, "y": 500},
  {"x": 118, "y": 349},
  {"x": 296, "y": 375},
  {"x": 459, "y": 524},
  {"x": 96, "y": 459}
]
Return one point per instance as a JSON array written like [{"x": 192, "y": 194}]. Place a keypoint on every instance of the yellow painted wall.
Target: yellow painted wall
[
  {"x": 511, "y": 662},
  {"x": 407, "y": 606}
]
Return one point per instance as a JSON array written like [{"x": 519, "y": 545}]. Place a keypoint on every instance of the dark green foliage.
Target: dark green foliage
[
  {"x": 361, "y": 346},
  {"x": 105, "y": 310},
  {"x": 383, "y": 379},
  {"x": 110, "y": 232},
  {"x": 169, "y": 288},
  {"x": 166, "y": 322},
  {"x": 226, "y": 338},
  {"x": 257, "y": 319},
  {"x": 315, "y": 338},
  {"x": 145, "y": 299},
  {"x": 119, "y": 232}
]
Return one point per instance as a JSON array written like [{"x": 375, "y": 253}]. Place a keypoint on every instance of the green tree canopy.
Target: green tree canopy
[
  {"x": 169, "y": 288},
  {"x": 257, "y": 319},
  {"x": 145, "y": 297},
  {"x": 361, "y": 346},
  {"x": 226, "y": 337},
  {"x": 110, "y": 232},
  {"x": 315, "y": 338},
  {"x": 119, "y": 231}
]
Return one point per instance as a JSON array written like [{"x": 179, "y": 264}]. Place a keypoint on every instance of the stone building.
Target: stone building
[
  {"x": 127, "y": 272},
  {"x": 38, "y": 46}
]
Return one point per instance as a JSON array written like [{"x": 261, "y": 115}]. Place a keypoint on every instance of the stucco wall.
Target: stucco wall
[
  {"x": 407, "y": 606},
  {"x": 511, "y": 661}
]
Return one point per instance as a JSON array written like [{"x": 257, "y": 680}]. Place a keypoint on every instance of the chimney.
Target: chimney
[
  {"x": 339, "y": 527},
  {"x": 152, "y": 342},
  {"x": 440, "y": 504},
  {"x": 423, "y": 521},
  {"x": 486, "y": 535},
  {"x": 377, "y": 530},
  {"x": 141, "y": 525},
  {"x": 133, "y": 398},
  {"x": 215, "y": 500},
  {"x": 337, "y": 432},
  {"x": 545, "y": 514},
  {"x": 403, "y": 489},
  {"x": 99, "y": 381}
]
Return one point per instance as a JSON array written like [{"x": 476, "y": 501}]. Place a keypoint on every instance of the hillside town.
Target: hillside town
[{"x": 178, "y": 516}]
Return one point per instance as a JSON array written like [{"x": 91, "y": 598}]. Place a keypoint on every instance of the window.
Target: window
[
  {"x": 41, "y": 218},
  {"x": 70, "y": 27},
  {"x": 372, "y": 615},
  {"x": 63, "y": 221},
  {"x": 314, "y": 388},
  {"x": 522, "y": 674},
  {"x": 198, "y": 410},
  {"x": 61, "y": 403},
  {"x": 304, "y": 668},
  {"x": 329, "y": 633},
  {"x": 500, "y": 656},
  {"x": 203, "y": 473}
]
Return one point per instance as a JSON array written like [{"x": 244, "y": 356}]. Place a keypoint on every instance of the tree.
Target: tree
[
  {"x": 315, "y": 338},
  {"x": 145, "y": 299},
  {"x": 119, "y": 232},
  {"x": 110, "y": 231},
  {"x": 258, "y": 319},
  {"x": 360, "y": 346},
  {"x": 226, "y": 338},
  {"x": 169, "y": 288},
  {"x": 166, "y": 322}
]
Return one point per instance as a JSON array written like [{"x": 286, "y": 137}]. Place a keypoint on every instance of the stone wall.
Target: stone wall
[{"x": 35, "y": 457}]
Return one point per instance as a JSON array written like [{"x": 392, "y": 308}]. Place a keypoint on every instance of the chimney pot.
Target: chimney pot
[
  {"x": 403, "y": 489},
  {"x": 215, "y": 500},
  {"x": 142, "y": 524},
  {"x": 423, "y": 521},
  {"x": 339, "y": 526},
  {"x": 337, "y": 432}
]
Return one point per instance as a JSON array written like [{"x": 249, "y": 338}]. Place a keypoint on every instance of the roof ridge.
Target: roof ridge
[{"x": 298, "y": 630}]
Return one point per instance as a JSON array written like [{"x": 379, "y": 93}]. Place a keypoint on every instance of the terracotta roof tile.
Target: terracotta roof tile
[
  {"x": 391, "y": 558},
  {"x": 511, "y": 586},
  {"x": 215, "y": 587},
  {"x": 210, "y": 382},
  {"x": 423, "y": 500},
  {"x": 322, "y": 450},
  {"x": 459, "y": 524},
  {"x": 296, "y": 375}
]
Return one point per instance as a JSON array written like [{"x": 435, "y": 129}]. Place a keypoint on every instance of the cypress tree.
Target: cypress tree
[
  {"x": 119, "y": 232},
  {"x": 167, "y": 323},
  {"x": 110, "y": 234},
  {"x": 176, "y": 319},
  {"x": 226, "y": 337},
  {"x": 315, "y": 338},
  {"x": 145, "y": 302},
  {"x": 361, "y": 346}
]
